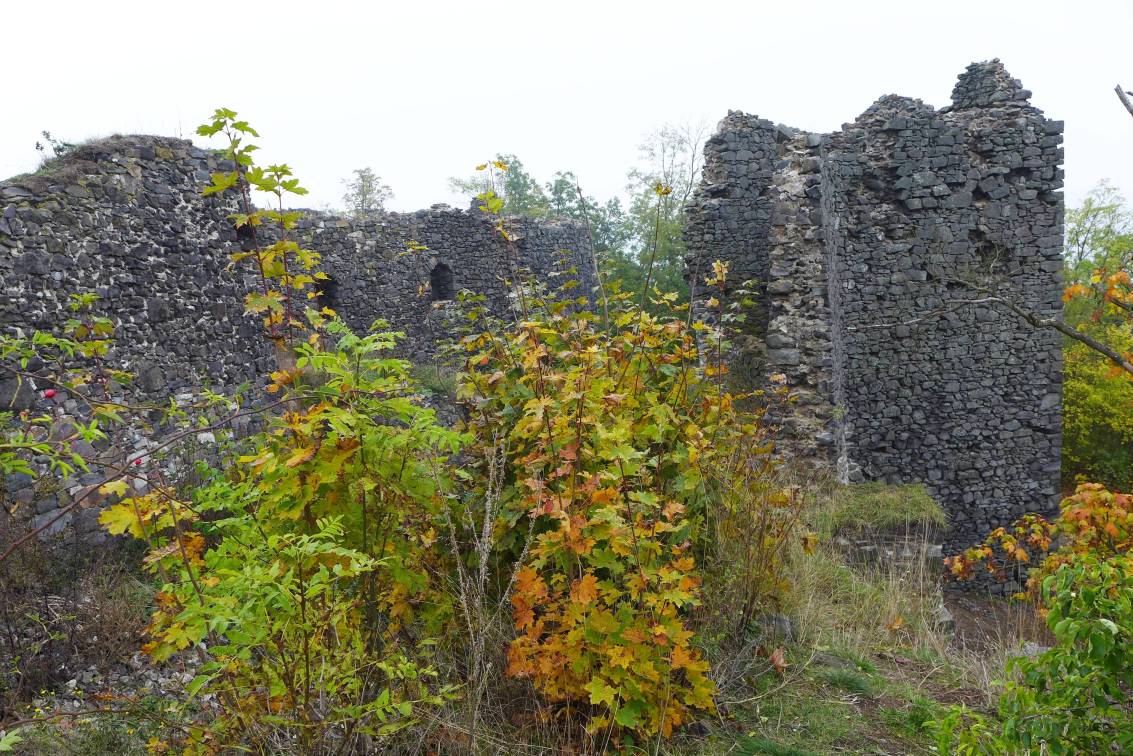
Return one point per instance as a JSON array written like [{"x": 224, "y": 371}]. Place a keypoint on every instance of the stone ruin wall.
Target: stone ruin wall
[
  {"x": 124, "y": 218},
  {"x": 848, "y": 235},
  {"x": 378, "y": 271},
  {"x": 854, "y": 234}
]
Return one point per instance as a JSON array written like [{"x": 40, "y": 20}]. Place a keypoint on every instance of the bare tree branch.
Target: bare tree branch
[
  {"x": 1039, "y": 322},
  {"x": 123, "y": 470},
  {"x": 1124, "y": 97},
  {"x": 1035, "y": 320},
  {"x": 924, "y": 317}
]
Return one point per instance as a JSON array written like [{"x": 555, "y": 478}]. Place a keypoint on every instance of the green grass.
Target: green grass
[
  {"x": 825, "y": 710},
  {"x": 436, "y": 379},
  {"x": 821, "y": 712},
  {"x": 803, "y": 717},
  {"x": 881, "y": 507},
  {"x": 862, "y": 663},
  {"x": 910, "y": 719},
  {"x": 750, "y": 746},
  {"x": 867, "y": 669},
  {"x": 85, "y": 738},
  {"x": 848, "y": 680}
]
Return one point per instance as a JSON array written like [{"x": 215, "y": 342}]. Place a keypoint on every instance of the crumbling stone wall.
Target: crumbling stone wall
[
  {"x": 124, "y": 218},
  {"x": 870, "y": 240},
  {"x": 729, "y": 219},
  {"x": 398, "y": 266}
]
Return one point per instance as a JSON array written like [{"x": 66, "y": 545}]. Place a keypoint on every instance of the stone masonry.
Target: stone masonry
[
  {"x": 864, "y": 245},
  {"x": 124, "y": 217},
  {"x": 867, "y": 246}
]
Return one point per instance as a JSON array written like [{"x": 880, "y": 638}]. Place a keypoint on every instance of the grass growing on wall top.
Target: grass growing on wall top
[{"x": 881, "y": 506}]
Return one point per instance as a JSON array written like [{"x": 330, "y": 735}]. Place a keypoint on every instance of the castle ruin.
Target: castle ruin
[
  {"x": 864, "y": 244},
  {"x": 124, "y": 218}
]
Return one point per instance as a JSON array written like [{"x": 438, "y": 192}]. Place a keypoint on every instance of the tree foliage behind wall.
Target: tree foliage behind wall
[
  {"x": 1097, "y": 395},
  {"x": 365, "y": 194},
  {"x": 627, "y": 237}
]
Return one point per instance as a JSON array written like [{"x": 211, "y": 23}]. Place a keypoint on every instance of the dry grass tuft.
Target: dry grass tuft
[{"x": 880, "y": 508}]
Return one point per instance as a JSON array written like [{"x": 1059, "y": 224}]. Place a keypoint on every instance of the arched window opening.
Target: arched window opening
[
  {"x": 328, "y": 290},
  {"x": 441, "y": 283},
  {"x": 246, "y": 236}
]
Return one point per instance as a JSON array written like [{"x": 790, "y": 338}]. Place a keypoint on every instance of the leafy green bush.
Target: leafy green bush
[
  {"x": 1073, "y": 698},
  {"x": 611, "y": 469}
]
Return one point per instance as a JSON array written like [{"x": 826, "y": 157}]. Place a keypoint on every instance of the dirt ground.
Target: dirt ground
[{"x": 983, "y": 620}]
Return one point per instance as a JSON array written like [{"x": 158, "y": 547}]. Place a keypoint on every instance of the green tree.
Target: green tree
[
  {"x": 1099, "y": 234},
  {"x": 1097, "y": 395},
  {"x": 520, "y": 192},
  {"x": 671, "y": 157},
  {"x": 608, "y": 222},
  {"x": 365, "y": 193},
  {"x": 629, "y": 240},
  {"x": 1097, "y": 413}
]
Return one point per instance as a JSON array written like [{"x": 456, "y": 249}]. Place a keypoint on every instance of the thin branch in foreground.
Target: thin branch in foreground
[
  {"x": 1124, "y": 97},
  {"x": 1030, "y": 317},
  {"x": 120, "y": 471}
]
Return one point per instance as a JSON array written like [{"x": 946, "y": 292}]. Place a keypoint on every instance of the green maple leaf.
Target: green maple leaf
[
  {"x": 629, "y": 715},
  {"x": 601, "y": 692}
]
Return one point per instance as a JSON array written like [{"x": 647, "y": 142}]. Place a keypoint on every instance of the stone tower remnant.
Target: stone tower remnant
[{"x": 870, "y": 248}]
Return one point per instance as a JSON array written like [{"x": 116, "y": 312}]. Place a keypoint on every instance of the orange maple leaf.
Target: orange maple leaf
[{"x": 585, "y": 590}]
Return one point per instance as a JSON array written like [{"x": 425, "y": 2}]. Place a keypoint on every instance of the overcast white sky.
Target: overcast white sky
[{"x": 424, "y": 90}]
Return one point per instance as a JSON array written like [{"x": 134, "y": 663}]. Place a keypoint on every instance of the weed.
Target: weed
[
  {"x": 438, "y": 380},
  {"x": 848, "y": 680},
  {"x": 909, "y": 720},
  {"x": 87, "y": 736},
  {"x": 751, "y": 746}
]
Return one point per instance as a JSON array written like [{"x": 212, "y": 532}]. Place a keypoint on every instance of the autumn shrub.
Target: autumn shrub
[
  {"x": 302, "y": 576},
  {"x": 1092, "y": 523},
  {"x": 606, "y": 490},
  {"x": 626, "y": 459},
  {"x": 1074, "y": 697},
  {"x": 753, "y": 522}
]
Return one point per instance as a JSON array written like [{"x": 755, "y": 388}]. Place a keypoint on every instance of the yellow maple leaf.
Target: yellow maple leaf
[
  {"x": 300, "y": 456},
  {"x": 117, "y": 487},
  {"x": 681, "y": 657},
  {"x": 585, "y": 590},
  {"x": 120, "y": 519}
]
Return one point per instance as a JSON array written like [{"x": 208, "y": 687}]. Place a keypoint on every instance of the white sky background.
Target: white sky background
[{"x": 425, "y": 90}]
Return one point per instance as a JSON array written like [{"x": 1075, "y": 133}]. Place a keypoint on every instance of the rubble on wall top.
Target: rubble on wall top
[
  {"x": 988, "y": 85},
  {"x": 890, "y": 110},
  {"x": 985, "y": 84}
]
